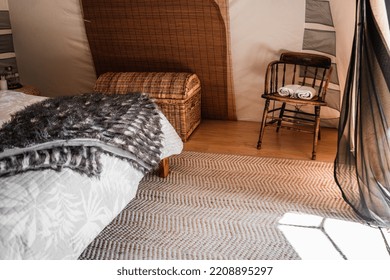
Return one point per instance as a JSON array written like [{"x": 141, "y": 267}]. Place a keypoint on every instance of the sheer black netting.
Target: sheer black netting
[{"x": 362, "y": 165}]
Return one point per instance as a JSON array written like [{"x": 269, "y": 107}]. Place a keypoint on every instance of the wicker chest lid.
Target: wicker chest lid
[{"x": 159, "y": 85}]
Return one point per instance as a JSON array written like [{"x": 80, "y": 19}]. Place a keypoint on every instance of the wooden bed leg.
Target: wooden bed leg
[{"x": 164, "y": 168}]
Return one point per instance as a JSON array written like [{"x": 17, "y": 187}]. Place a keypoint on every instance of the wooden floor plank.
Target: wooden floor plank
[{"x": 240, "y": 137}]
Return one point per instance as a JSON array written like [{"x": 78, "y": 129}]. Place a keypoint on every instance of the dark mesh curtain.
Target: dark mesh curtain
[{"x": 362, "y": 165}]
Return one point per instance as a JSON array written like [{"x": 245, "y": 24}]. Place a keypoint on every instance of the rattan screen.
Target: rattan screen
[{"x": 155, "y": 35}]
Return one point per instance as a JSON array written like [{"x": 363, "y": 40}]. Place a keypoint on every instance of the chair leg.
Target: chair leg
[
  {"x": 319, "y": 133},
  {"x": 316, "y": 131},
  {"x": 262, "y": 126},
  {"x": 281, "y": 113}
]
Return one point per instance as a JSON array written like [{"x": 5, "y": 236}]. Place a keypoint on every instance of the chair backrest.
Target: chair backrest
[{"x": 305, "y": 69}]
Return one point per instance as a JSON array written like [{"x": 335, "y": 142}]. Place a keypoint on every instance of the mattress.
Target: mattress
[{"x": 54, "y": 215}]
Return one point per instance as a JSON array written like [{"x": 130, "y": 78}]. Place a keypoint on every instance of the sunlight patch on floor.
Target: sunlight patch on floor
[{"x": 317, "y": 238}]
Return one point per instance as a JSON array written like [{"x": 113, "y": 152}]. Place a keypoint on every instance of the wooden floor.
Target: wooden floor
[{"x": 238, "y": 137}]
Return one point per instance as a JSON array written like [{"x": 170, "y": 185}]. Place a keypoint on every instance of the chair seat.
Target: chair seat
[{"x": 277, "y": 97}]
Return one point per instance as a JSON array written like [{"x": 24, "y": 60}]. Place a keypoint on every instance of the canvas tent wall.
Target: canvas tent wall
[
  {"x": 53, "y": 53},
  {"x": 7, "y": 52}
]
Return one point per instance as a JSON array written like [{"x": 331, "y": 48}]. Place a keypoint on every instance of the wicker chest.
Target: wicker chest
[{"x": 178, "y": 94}]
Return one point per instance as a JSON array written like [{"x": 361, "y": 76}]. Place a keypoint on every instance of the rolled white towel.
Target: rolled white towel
[
  {"x": 288, "y": 90},
  {"x": 304, "y": 92},
  {"x": 297, "y": 91}
]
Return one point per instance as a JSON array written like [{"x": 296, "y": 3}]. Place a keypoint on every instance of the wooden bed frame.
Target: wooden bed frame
[{"x": 164, "y": 168}]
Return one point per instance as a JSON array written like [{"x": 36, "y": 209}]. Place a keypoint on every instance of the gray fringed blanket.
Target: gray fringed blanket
[{"x": 74, "y": 131}]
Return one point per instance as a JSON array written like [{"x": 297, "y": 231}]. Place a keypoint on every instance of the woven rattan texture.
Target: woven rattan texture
[
  {"x": 28, "y": 89},
  {"x": 163, "y": 36},
  {"x": 172, "y": 85},
  {"x": 178, "y": 95}
]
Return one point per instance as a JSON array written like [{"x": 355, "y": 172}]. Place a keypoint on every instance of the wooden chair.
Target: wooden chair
[{"x": 293, "y": 70}]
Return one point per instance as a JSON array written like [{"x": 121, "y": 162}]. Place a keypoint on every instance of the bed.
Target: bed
[{"x": 54, "y": 214}]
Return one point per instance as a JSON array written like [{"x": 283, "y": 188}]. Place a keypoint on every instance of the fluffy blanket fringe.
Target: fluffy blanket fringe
[{"x": 74, "y": 131}]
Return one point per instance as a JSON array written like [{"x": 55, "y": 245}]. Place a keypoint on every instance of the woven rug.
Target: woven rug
[{"x": 215, "y": 206}]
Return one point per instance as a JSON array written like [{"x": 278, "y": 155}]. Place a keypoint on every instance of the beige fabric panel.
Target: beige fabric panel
[
  {"x": 3, "y": 5},
  {"x": 51, "y": 46},
  {"x": 253, "y": 47},
  {"x": 380, "y": 13},
  {"x": 260, "y": 31},
  {"x": 343, "y": 13},
  {"x": 224, "y": 8}
]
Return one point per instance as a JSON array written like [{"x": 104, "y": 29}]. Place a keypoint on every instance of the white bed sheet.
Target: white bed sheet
[{"x": 55, "y": 215}]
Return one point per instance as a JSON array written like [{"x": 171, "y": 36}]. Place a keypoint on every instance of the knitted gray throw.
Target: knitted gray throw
[{"x": 73, "y": 132}]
